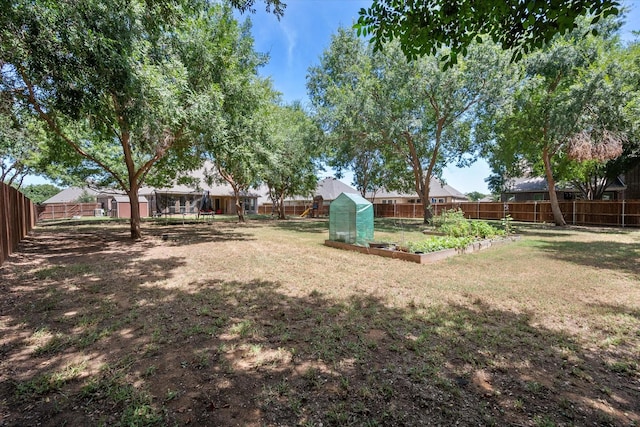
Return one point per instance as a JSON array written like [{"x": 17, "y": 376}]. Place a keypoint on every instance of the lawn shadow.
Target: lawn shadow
[
  {"x": 247, "y": 353},
  {"x": 541, "y": 230},
  {"x": 194, "y": 233},
  {"x": 615, "y": 256},
  {"x": 310, "y": 225},
  {"x": 617, "y": 310},
  {"x": 393, "y": 225},
  {"x": 72, "y": 242}
]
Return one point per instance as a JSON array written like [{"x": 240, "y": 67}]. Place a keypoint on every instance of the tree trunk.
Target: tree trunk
[
  {"x": 426, "y": 203},
  {"x": 558, "y": 218},
  {"x": 428, "y": 214},
  {"x": 239, "y": 208},
  {"x": 136, "y": 232},
  {"x": 281, "y": 210}
]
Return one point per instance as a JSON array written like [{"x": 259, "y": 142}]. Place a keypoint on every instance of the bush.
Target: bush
[
  {"x": 454, "y": 224},
  {"x": 438, "y": 243},
  {"x": 483, "y": 230},
  {"x": 452, "y": 216}
]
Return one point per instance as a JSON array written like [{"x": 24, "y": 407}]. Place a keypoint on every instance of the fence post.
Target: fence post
[
  {"x": 535, "y": 210},
  {"x": 574, "y": 212},
  {"x": 622, "y": 213}
]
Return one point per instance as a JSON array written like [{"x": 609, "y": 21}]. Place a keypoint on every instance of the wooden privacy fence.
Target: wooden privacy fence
[
  {"x": 618, "y": 213},
  {"x": 17, "y": 219},
  {"x": 267, "y": 209},
  {"x": 69, "y": 210}
]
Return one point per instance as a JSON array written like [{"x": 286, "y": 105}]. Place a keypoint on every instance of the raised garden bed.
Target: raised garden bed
[{"x": 391, "y": 251}]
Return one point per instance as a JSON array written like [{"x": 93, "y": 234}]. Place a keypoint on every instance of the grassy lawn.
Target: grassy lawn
[{"x": 261, "y": 325}]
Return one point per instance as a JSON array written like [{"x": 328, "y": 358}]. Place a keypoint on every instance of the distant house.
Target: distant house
[
  {"x": 328, "y": 188},
  {"x": 70, "y": 202},
  {"x": 118, "y": 205},
  {"x": 177, "y": 199},
  {"x": 71, "y": 195},
  {"x": 182, "y": 199},
  {"x": 632, "y": 180},
  {"x": 438, "y": 193},
  {"x": 536, "y": 189}
]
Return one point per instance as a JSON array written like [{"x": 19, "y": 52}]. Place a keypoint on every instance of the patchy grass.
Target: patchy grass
[{"x": 262, "y": 325}]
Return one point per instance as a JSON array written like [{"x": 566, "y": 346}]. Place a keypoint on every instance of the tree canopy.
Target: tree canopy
[
  {"x": 293, "y": 147},
  {"x": 567, "y": 109},
  {"x": 38, "y": 193},
  {"x": 425, "y": 26},
  {"x": 120, "y": 85},
  {"x": 412, "y": 115}
]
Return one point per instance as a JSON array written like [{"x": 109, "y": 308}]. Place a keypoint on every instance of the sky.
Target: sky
[{"x": 296, "y": 42}]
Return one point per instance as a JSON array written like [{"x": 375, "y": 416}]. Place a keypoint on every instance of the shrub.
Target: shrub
[
  {"x": 438, "y": 243},
  {"x": 484, "y": 230},
  {"x": 454, "y": 224},
  {"x": 451, "y": 216}
]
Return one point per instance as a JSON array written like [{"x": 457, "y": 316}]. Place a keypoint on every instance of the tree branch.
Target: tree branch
[{"x": 51, "y": 122}]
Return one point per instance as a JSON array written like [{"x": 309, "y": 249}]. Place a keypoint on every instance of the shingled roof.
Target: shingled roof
[
  {"x": 539, "y": 184},
  {"x": 70, "y": 194},
  {"x": 436, "y": 190}
]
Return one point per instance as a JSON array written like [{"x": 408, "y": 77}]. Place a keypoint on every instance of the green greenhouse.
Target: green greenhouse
[{"x": 351, "y": 219}]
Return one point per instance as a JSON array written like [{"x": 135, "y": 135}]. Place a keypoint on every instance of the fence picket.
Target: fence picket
[
  {"x": 625, "y": 213},
  {"x": 17, "y": 219}
]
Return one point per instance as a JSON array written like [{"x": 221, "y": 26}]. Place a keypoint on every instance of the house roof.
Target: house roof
[
  {"x": 125, "y": 199},
  {"x": 199, "y": 184},
  {"x": 436, "y": 189},
  {"x": 70, "y": 194},
  {"x": 355, "y": 198},
  {"x": 539, "y": 184},
  {"x": 331, "y": 188}
]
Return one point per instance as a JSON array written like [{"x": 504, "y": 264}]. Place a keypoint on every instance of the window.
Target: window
[{"x": 249, "y": 204}]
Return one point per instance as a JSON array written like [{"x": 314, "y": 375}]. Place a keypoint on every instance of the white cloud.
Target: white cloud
[{"x": 292, "y": 37}]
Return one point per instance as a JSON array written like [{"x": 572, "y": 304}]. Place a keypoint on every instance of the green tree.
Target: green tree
[
  {"x": 609, "y": 144},
  {"x": 294, "y": 140},
  {"x": 419, "y": 117},
  {"x": 85, "y": 197},
  {"x": 423, "y": 27},
  {"x": 233, "y": 136},
  {"x": 21, "y": 140},
  {"x": 346, "y": 107},
  {"x": 112, "y": 80},
  {"x": 474, "y": 196},
  {"x": 38, "y": 193},
  {"x": 240, "y": 152},
  {"x": 563, "y": 110}
]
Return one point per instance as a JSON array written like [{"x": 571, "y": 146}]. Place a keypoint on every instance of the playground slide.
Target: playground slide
[{"x": 305, "y": 213}]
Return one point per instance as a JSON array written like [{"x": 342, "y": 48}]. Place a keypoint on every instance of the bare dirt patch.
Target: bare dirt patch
[{"x": 261, "y": 325}]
